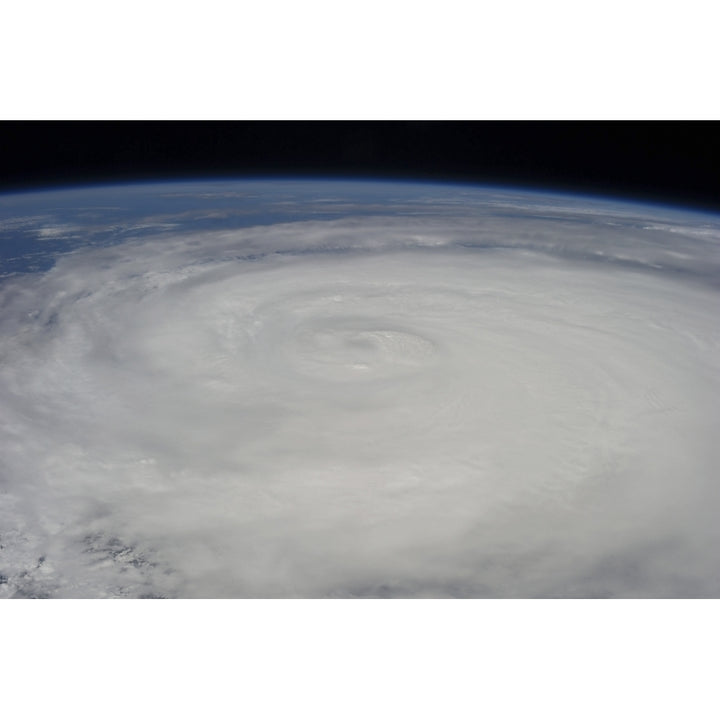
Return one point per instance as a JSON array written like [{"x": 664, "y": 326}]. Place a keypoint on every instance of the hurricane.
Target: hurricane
[{"x": 358, "y": 390}]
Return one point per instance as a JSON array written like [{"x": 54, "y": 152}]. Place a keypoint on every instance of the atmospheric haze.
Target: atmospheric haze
[{"x": 328, "y": 389}]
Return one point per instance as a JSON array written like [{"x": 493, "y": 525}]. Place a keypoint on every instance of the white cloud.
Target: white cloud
[{"x": 473, "y": 406}]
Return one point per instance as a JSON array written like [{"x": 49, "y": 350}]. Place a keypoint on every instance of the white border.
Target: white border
[
  {"x": 388, "y": 59},
  {"x": 360, "y": 659}
]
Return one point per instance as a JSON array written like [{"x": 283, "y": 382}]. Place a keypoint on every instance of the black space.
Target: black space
[{"x": 677, "y": 162}]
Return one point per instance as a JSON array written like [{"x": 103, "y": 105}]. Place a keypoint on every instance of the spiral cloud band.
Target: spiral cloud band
[{"x": 478, "y": 395}]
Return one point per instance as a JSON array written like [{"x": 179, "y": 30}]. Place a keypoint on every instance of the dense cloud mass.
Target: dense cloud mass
[{"x": 474, "y": 396}]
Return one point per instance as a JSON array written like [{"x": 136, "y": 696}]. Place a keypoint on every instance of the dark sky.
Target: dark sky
[{"x": 662, "y": 161}]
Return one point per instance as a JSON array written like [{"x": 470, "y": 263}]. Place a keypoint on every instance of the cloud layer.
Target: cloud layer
[{"x": 498, "y": 397}]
